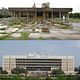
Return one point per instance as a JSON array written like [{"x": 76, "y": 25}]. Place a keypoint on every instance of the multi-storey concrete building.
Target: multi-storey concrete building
[
  {"x": 40, "y": 13},
  {"x": 39, "y": 64}
]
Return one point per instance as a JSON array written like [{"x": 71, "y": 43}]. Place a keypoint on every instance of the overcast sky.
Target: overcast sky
[
  {"x": 50, "y": 47},
  {"x": 75, "y": 4}
]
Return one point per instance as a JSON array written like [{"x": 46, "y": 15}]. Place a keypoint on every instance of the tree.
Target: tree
[
  {"x": 74, "y": 15},
  {"x": 62, "y": 78},
  {"x": 0, "y": 70},
  {"x": 77, "y": 70},
  {"x": 18, "y": 71},
  {"x": 48, "y": 78},
  {"x": 56, "y": 72},
  {"x": 3, "y": 71}
]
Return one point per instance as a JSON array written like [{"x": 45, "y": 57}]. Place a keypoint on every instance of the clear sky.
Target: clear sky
[
  {"x": 50, "y": 47},
  {"x": 75, "y": 4}
]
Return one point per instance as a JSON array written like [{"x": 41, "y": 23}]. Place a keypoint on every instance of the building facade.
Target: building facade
[
  {"x": 39, "y": 64},
  {"x": 40, "y": 13}
]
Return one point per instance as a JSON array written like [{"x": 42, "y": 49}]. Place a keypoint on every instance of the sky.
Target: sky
[
  {"x": 75, "y": 4},
  {"x": 50, "y": 47}
]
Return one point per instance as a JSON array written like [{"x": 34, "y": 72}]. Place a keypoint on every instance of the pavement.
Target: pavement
[{"x": 57, "y": 35}]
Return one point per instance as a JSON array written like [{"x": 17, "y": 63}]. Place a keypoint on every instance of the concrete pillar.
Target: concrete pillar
[
  {"x": 60, "y": 15},
  {"x": 52, "y": 15},
  {"x": 27, "y": 16},
  {"x": 14, "y": 13},
  {"x": 35, "y": 14},
  {"x": 44, "y": 15},
  {"x": 19, "y": 14},
  {"x": 11, "y": 14},
  {"x": 68, "y": 15}
]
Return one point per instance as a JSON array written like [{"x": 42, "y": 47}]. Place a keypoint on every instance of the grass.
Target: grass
[
  {"x": 74, "y": 20},
  {"x": 41, "y": 38},
  {"x": 2, "y": 29},
  {"x": 15, "y": 23},
  {"x": 24, "y": 36},
  {"x": 63, "y": 27},
  {"x": 57, "y": 22},
  {"x": 4, "y": 37},
  {"x": 60, "y": 77},
  {"x": 33, "y": 25}
]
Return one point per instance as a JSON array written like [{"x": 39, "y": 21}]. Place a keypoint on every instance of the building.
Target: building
[
  {"x": 39, "y": 64},
  {"x": 40, "y": 13}
]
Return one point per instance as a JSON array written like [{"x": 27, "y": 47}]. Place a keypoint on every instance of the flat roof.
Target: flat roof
[
  {"x": 40, "y": 9},
  {"x": 38, "y": 57}
]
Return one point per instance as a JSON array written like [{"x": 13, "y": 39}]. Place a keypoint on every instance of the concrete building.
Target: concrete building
[
  {"x": 40, "y": 13},
  {"x": 39, "y": 64}
]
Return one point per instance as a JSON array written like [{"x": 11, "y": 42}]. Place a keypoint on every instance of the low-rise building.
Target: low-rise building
[{"x": 40, "y": 13}]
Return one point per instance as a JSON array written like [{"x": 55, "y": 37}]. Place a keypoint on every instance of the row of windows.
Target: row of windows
[
  {"x": 38, "y": 68},
  {"x": 40, "y": 59},
  {"x": 38, "y": 64}
]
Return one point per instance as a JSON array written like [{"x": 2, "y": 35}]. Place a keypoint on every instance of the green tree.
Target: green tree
[
  {"x": 3, "y": 71},
  {"x": 18, "y": 71},
  {"x": 77, "y": 70},
  {"x": 56, "y": 72},
  {"x": 48, "y": 78},
  {"x": 61, "y": 78},
  {"x": 74, "y": 15},
  {"x": 0, "y": 70}
]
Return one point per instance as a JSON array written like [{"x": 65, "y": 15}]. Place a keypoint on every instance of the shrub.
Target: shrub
[
  {"x": 15, "y": 23},
  {"x": 2, "y": 29},
  {"x": 4, "y": 16},
  {"x": 48, "y": 78},
  {"x": 61, "y": 78},
  {"x": 41, "y": 38},
  {"x": 16, "y": 78},
  {"x": 63, "y": 27},
  {"x": 25, "y": 35}
]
